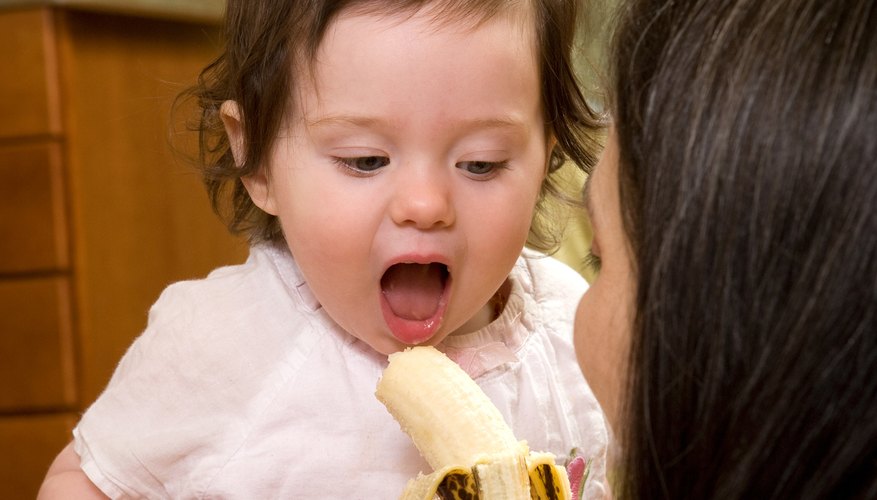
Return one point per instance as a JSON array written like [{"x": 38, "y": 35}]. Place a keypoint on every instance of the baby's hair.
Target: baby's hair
[
  {"x": 748, "y": 178},
  {"x": 263, "y": 38}
]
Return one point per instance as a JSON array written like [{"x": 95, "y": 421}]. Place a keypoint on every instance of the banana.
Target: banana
[{"x": 473, "y": 452}]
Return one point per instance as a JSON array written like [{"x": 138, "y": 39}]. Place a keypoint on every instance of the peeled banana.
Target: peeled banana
[{"x": 462, "y": 435}]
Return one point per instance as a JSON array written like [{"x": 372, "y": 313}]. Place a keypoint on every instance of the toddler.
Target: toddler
[{"x": 385, "y": 160}]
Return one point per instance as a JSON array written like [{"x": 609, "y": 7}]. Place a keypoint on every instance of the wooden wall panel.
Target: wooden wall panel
[
  {"x": 97, "y": 213},
  {"x": 27, "y": 49},
  {"x": 31, "y": 188},
  {"x": 36, "y": 352}
]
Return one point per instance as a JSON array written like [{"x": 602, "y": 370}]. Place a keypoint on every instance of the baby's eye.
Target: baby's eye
[
  {"x": 363, "y": 164},
  {"x": 481, "y": 168}
]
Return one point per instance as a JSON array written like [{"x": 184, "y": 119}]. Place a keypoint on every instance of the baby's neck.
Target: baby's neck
[{"x": 488, "y": 313}]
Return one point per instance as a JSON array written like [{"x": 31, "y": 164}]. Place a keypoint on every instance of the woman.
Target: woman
[{"x": 730, "y": 334}]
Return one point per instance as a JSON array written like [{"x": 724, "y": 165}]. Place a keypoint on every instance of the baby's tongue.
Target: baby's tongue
[{"x": 413, "y": 291}]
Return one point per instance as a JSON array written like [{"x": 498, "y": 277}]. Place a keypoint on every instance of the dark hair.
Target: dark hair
[
  {"x": 264, "y": 37},
  {"x": 747, "y": 135}
]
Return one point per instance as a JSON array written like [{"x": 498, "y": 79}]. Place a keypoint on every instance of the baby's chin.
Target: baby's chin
[{"x": 387, "y": 344}]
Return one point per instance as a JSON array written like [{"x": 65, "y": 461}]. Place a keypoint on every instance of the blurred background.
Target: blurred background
[{"x": 97, "y": 212}]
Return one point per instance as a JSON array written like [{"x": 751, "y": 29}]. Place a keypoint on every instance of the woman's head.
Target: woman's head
[
  {"x": 270, "y": 45},
  {"x": 747, "y": 178}
]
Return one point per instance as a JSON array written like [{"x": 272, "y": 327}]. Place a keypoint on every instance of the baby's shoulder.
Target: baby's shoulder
[
  {"x": 549, "y": 279},
  {"x": 233, "y": 332},
  {"x": 240, "y": 311},
  {"x": 230, "y": 294}
]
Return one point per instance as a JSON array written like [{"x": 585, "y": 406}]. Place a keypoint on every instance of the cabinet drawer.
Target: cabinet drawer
[
  {"x": 32, "y": 208},
  {"x": 29, "y": 95},
  {"x": 29, "y": 445},
  {"x": 36, "y": 354}
]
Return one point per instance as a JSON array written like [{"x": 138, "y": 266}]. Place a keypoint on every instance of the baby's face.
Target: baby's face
[
  {"x": 406, "y": 180},
  {"x": 604, "y": 316}
]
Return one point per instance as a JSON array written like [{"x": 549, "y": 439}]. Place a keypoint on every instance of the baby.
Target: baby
[{"x": 386, "y": 161}]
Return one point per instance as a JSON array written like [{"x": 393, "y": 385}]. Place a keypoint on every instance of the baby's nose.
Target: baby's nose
[{"x": 423, "y": 198}]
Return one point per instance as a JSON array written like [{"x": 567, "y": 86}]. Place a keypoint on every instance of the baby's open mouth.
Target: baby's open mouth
[{"x": 415, "y": 291}]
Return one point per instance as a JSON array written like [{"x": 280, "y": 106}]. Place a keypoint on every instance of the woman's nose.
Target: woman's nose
[{"x": 423, "y": 198}]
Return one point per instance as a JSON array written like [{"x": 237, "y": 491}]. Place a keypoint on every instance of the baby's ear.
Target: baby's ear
[
  {"x": 257, "y": 182},
  {"x": 230, "y": 113}
]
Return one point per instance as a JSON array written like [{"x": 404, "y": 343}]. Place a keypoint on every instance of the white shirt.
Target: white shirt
[{"x": 242, "y": 387}]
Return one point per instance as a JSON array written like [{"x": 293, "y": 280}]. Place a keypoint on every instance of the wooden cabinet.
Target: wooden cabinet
[
  {"x": 97, "y": 213},
  {"x": 35, "y": 317},
  {"x": 32, "y": 201}
]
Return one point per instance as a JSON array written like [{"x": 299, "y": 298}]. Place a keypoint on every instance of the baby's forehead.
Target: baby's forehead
[
  {"x": 463, "y": 15},
  {"x": 472, "y": 12}
]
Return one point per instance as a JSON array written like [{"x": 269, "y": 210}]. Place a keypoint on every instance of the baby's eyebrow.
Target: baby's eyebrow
[
  {"x": 510, "y": 123},
  {"x": 348, "y": 120},
  {"x": 501, "y": 123}
]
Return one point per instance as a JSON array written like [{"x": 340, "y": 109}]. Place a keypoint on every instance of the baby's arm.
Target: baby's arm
[{"x": 66, "y": 480}]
